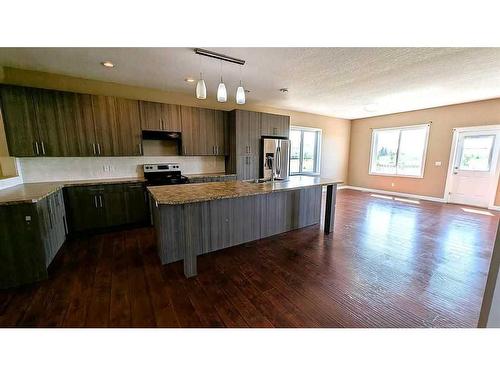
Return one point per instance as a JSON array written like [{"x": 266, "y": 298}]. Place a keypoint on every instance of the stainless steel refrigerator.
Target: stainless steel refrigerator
[{"x": 274, "y": 158}]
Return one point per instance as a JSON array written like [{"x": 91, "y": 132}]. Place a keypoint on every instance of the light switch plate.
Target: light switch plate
[{"x": 437, "y": 163}]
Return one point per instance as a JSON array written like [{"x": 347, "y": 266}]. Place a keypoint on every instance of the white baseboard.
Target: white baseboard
[
  {"x": 494, "y": 208},
  {"x": 394, "y": 193}
]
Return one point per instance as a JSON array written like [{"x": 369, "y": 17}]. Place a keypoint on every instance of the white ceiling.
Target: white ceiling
[{"x": 338, "y": 82}]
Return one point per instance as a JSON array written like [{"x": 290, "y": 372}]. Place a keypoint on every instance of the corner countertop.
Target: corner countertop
[
  {"x": 34, "y": 192},
  {"x": 193, "y": 193}
]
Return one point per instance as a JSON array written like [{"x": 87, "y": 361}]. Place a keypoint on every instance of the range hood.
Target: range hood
[
  {"x": 161, "y": 135},
  {"x": 161, "y": 143}
]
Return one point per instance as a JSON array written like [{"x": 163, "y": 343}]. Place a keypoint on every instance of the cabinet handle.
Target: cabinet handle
[
  {"x": 37, "y": 150},
  {"x": 95, "y": 201},
  {"x": 93, "y": 147},
  {"x": 43, "y": 148},
  {"x": 100, "y": 200},
  {"x": 216, "y": 150},
  {"x": 140, "y": 148},
  {"x": 99, "y": 149}
]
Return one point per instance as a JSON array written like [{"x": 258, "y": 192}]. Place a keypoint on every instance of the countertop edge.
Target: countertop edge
[{"x": 194, "y": 200}]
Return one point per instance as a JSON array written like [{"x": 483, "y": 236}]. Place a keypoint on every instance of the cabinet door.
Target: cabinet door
[
  {"x": 22, "y": 258},
  {"x": 206, "y": 132},
  {"x": 129, "y": 128},
  {"x": 136, "y": 201},
  {"x": 171, "y": 117},
  {"x": 248, "y": 132},
  {"x": 85, "y": 125},
  {"x": 151, "y": 115},
  {"x": 274, "y": 125},
  {"x": 105, "y": 116},
  {"x": 113, "y": 206},
  {"x": 50, "y": 127},
  {"x": 190, "y": 119},
  {"x": 71, "y": 142},
  {"x": 19, "y": 121},
  {"x": 220, "y": 130},
  {"x": 83, "y": 208}
]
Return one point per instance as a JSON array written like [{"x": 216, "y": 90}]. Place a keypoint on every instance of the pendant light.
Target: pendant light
[
  {"x": 201, "y": 88},
  {"x": 240, "y": 93},
  {"x": 221, "y": 90}
]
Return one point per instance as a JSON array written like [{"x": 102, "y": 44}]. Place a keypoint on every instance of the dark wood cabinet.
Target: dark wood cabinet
[
  {"x": 160, "y": 116},
  {"x": 18, "y": 114},
  {"x": 105, "y": 117},
  {"x": 275, "y": 125},
  {"x": 32, "y": 234},
  {"x": 244, "y": 134},
  {"x": 191, "y": 139},
  {"x": 246, "y": 129},
  {"x": 104, "y": 206},
  {"x": 40, "y": 122},
  {"x": 129, "y": 128}
]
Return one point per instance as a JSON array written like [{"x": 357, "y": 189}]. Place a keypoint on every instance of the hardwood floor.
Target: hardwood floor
[{"x": 388, "y": 264}]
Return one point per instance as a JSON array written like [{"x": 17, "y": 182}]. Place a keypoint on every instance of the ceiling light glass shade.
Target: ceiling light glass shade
[
  {"x": 222, "y": 92},
  {"x": 201, "y": 89},
  {"x": 240, "y": 95}
]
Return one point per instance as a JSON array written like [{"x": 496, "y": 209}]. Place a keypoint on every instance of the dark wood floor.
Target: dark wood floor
[{"x": 388, "y": 264}]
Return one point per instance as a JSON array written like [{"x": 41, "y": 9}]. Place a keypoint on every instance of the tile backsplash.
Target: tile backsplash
[{"x": 60, "y": 169}]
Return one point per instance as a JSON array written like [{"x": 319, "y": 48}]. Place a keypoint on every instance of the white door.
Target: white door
[{"x": 473, "y": 179}]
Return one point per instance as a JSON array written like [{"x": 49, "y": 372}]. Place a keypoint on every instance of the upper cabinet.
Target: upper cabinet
[
  {"x": 203, "y": 131},
  {"x": 19, "y": 120},
  {"x": 40, "y": 122},
  {"x": 246, "y": 128},
  {"x": 275, "y": 125},
  {"x": 160, "y": 116}
]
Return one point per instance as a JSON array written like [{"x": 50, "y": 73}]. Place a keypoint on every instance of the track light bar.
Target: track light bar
[{"x": 218, "y": 56}]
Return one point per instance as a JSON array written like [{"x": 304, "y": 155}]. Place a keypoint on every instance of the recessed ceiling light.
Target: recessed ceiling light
[
  {"x": 108, "y": 64},
  {"x": 189, "y": 79},
  {"x": 371, "y": 107}
]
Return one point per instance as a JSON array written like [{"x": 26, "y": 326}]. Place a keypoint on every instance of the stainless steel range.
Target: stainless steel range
[{"x": 164, "y": 174}]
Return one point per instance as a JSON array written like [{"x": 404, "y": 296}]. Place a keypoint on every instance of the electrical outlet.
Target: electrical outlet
[{"x": 393, "y": 184}]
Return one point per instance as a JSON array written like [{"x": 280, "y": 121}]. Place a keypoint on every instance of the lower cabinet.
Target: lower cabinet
[
  {"x": 32, "y": 234},
  {"x": 53, "y": 227},
  {"x": 104, "y": 206}
]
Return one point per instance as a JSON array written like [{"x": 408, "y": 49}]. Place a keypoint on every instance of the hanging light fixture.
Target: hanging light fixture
[
  {"x": 240, "y": 92},
  {"x": 221, "y": 90},
  {"x": 201, "y": 88}
]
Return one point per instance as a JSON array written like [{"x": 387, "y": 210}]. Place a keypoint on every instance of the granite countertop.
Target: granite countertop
[
  {"x": 192, "y": 193},
  {"x": 34, "y": 192}
]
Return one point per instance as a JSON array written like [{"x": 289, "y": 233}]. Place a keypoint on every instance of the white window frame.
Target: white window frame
[
  {"x": 317, "y": 162},
  {"x": 424, "y": 156}
]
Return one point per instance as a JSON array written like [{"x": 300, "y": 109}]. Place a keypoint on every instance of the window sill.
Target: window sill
[{"x": 394, "y": 175}]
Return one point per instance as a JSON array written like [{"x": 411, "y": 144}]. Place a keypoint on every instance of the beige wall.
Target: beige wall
[
  {"x": 336, "y": 132},
  {"x": 444, "y": 119}
]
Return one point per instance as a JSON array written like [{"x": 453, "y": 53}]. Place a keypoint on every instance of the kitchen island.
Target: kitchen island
[{"x": 195, "y": 219}]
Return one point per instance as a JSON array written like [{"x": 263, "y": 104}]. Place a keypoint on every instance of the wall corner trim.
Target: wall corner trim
[{"x": 395, "y": 193}]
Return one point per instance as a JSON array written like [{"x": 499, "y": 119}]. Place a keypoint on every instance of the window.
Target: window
[
  {"x": 476, "y": 153},
  {"x": 305, "y": 150},
  {"x": 399, "y": 151}
]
